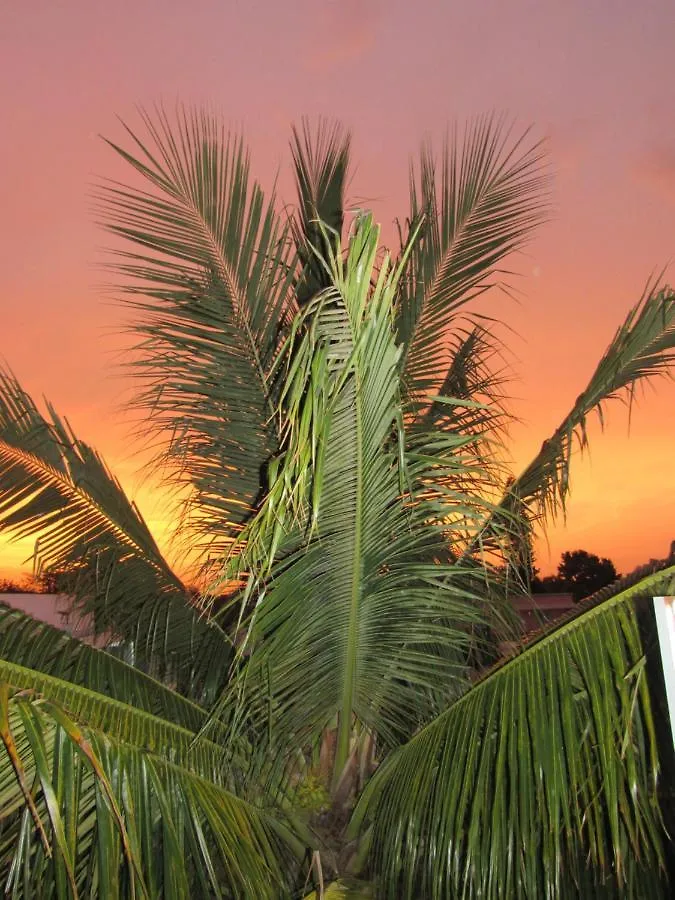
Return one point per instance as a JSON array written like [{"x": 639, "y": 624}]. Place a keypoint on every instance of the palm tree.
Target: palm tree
[{"x": 320, "y": 718}]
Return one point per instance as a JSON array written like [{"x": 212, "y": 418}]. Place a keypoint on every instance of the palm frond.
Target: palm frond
[
  {"x": 321, "y": 159},
  {"x": 490, "y": 198},
  {"x": 357, "y": 621},
  {"x": 557, "y": 795},
  {"x": 57, "y": 489},
  {"x": 208, "y": 275},
  {"x": 471, "y": 402},
  {"x": 36, "y": 645},
  {"x": 476, "y": 376},
  {"x": 126, "y": 807},
  {"x": 642, "y": 349}
]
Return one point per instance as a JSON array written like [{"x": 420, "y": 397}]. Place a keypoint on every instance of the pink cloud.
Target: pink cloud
[
  {"x": 345, "y": 30},
  {"x": 657, "y": 168},
  {"x": 571, "y": 141}
]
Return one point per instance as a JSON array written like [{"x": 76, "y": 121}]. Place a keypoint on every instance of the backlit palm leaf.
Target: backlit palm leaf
[
  {"x": 209, "y": 274},
  {"x": 321, "y": 161},
  {"x": 55, "y": 488},
  {"x": 486, "y": 206},
  {"x": 476, "y": 374},
  {"x": 642, "y": 349}
]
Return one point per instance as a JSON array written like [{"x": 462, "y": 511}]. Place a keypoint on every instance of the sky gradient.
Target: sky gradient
[{"x": 596, "y": 84}]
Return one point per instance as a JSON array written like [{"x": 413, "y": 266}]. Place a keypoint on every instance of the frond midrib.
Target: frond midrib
[
  {"x": 58, "y": 479},
  {"x": 238, "y": 301},
  {"x": 557, "y": 631},
  {"x": 130, "y": 719},
  {"x": 344, "y": 729}
]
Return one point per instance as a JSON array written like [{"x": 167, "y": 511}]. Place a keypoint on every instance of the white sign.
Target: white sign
[{"x": 664, "y": 608}]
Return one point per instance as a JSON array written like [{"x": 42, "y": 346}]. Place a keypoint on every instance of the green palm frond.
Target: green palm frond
[
  {"x": 642, "y": 349},
  {"x": 365, "y": 585},
  {"x": 476, "y": 376},
  {"x": 541, "y": 781},
  {"x": 118, "y": 809},
  {"x": 123, "y": 766},
  {"x": 118, "y": 718},
  {"x": 209, "y": 276},
  {"x": 44, "y": 465},
  {"x": 471, "y": 402},
  {"x": 490, "y": 198},
  {"x": 35, "y": 645},
  {"x": 321, "y": 160},
  {"x": 57, "y": 489}
]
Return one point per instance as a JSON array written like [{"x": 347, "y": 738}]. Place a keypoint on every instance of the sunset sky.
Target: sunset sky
[{"x": 593, "y": 77}]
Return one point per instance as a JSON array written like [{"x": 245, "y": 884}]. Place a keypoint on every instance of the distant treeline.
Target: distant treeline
[{"x": 46, "y": 583}]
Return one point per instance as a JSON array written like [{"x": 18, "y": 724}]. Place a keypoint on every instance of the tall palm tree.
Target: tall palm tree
[{"x": 321, "y": 718}]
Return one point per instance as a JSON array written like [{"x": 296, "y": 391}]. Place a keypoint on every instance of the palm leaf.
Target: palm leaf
[
  {"x": 540, "y": 781},
  {"x": 118, "y": 719},
  {"x": 209, "y": 275},
  {"x": 35, "y": 645},
  {"x": 57, "y": 489},
  {"x": 471, "y": 402},
  {"x": 476, "y": 375},
  {"x": 487, "y": 204},
  {"x": 321, "y": 160},
  {"x": 642, "y": 349},
  {"x": 109, "y": 766},
  {"x": 123, "y": 816},
  {"x": 353, "y": 618}
]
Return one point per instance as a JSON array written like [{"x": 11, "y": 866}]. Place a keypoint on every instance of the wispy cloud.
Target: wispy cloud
[
  {"x": 343, "y": 31},
  {"x": 656, "y": 167},
  {"x": 571, "y": 142}
]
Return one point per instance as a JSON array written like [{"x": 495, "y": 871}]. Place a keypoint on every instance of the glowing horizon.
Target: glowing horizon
[{"x": 597, "y": 87}]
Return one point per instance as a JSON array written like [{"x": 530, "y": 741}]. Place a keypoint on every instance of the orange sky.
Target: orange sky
[{"x": 598, "y": 85}]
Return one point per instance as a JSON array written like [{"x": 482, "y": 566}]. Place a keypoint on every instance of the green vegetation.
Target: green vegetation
[{"x": 320, "y": 719}]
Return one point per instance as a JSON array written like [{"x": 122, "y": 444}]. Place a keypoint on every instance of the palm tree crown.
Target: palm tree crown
[{"x": 334, "y": 415}]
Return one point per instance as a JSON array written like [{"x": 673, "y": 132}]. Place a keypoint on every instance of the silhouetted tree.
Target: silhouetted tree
[
  {"x": 550, "y": 584},
  {"x": 584, "y": 573},
  {"x": 52, "y": 581},
  {"x": 579, "y": 573},
  {"x": 25, "y": 586}
]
